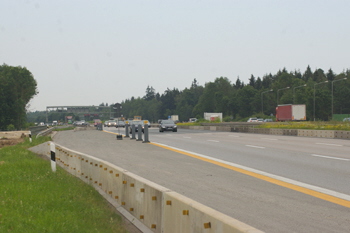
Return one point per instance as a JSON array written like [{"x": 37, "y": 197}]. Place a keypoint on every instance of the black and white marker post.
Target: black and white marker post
[{"x": 53, "y": 156}]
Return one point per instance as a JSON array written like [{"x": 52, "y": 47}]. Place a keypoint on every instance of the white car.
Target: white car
[
  {"x": 192, "y": 120},
  {"x": 252, "y": 119}
]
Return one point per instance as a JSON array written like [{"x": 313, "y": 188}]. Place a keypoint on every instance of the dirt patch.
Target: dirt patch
[
  {"x": 10, "y": 142},
  {"x": 10, "y": 138}
]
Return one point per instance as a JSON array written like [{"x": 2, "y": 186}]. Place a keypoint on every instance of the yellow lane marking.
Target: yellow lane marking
[
  {"x": 307, "y": 191},
  {"x": 111, "y": 132}
]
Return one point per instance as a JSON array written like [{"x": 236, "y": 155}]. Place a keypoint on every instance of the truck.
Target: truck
[
  {"x": 291, "y": 112},
  {"x": 213, "y": 116},
  {"x": 175, "y": 118}
]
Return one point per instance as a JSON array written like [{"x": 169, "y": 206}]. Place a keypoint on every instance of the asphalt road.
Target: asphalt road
[{"x": 318, "y": 165}]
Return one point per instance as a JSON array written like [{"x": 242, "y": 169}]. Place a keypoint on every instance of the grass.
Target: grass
[
  {"x": 34, "y": 199},
  {"x": 318, "y": 125},
  {"x": 64, "y": 129}
]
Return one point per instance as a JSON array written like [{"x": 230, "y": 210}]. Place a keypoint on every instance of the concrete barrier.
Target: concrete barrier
[
  {"x": 184, "y": 215},
  {"x": 305, "y": 133},
  {"x": 342, "y": 134},
  {"x": 156, "y": 207},
  {"x": 290, "y": 132}
]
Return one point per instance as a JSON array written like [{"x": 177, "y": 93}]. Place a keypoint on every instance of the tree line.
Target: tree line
[
  {"x": 327, "y": 92},
  {"x": 17, "y": 88}
]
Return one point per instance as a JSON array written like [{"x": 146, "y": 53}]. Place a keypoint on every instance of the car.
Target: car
[
  {"x": 147, "y": 123},
  {"x": 105, "y": 124},
  {"x": 167, "y": 125},
  {"x": 137, "y": 123},
  {"x": 260, "y": 120},
  {"x": 120, "y": 123},
  {"x": 80, "y": 123},
  {"x": 192, "y": 120},
  {"x": 97, "y": 122},
  {"x": 346, "y": 119},
  {"x": 112, "y": 124},
  {"x": 268, "y": 120},
  {"x": 252, "y": 119}
]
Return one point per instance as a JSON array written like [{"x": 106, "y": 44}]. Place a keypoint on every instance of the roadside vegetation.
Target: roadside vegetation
[
  {"x": 237, "y": 100},
  {"x": 34, "y": 199},
  {"x": 317, "y": 125},
  {"x": 64, "y": 128}
]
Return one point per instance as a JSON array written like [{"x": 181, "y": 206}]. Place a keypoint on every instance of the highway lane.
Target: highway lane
[
  {"x": 266, "y": 206},
  {"x": 316, "y": 161}
]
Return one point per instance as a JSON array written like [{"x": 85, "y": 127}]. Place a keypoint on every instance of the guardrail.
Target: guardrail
[
  {"x": 158, "y": 208},
  {"x": 40, "y": 130},
  {"x": 36, "y": 129}
]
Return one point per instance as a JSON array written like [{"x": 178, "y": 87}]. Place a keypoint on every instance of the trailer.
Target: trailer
[
  {"x": 291, "y": 112},
  {"x": 213, "y": 116},
  {"x": 175, "y": 118}
]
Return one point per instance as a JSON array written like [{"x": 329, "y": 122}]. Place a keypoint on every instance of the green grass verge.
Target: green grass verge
[
  {"x": 34, "y": 199},
  {"x": 317, "y": 125},
  {"x": 307, "y": 125},
  {"x": 64, "y": 129}
]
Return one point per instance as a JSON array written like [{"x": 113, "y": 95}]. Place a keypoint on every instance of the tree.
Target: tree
[
  {"x": 319, "y": 75},
  {"x": 307, "y": 74},
  {"x": 245, "y": 101},
  {"x": 330, "y": 75},
  {"x": 194, "y": 84},
  {"x": 258, "y": 84},
  {"x": 252, "y": 81},
  {"x": 150, "y": 93},
  {"x": 238, "y": 84},
  {"x": 17, "y": 88}
]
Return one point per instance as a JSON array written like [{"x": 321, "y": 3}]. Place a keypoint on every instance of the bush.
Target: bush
[{"x": 11, "y": 127}]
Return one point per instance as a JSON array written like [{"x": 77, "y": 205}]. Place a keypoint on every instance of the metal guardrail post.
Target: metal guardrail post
[
  {"x": 145, "y": 134},
  {"x": 126, "y": 130},
  {"x": 139, "y": 133},
  {"x": 133, "y": 132}
]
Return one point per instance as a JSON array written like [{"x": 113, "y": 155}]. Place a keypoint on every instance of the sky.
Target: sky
[{"x": 84, "y": 52}]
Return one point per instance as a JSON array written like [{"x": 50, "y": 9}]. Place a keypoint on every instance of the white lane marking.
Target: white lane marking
[
  {"x": 281, "y": 178},
  {"x": 329, "y": 157},
  {"x": 212, "y": 141},
  {"x": 233, "y": 136},
  {"x": 272, "y": 139},
  {"x": 186, "y": 137},
  {"x": 260, "y": 147},
  {"x": 327, "y": 144}
]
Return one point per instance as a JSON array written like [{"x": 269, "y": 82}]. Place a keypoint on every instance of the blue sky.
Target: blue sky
[{"x": 91, "y": 52}]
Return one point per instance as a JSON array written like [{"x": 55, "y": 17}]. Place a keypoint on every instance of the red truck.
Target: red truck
[{"x": 291, "y": 112}]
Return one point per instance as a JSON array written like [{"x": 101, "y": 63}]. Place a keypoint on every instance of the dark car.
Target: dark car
[
  {"x": 137, "y": 123},
  {"x": 167, "y": 125}
]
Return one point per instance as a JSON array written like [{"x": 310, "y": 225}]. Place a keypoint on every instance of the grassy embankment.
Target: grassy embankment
[
  {"x": 34, "y": 199},
  {"x": 317, "y": 125}
]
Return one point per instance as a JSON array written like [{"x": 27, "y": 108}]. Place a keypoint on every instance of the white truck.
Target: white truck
[
  {"x": 175, "y": 118},
  {"x": 213, "y": 116}
]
